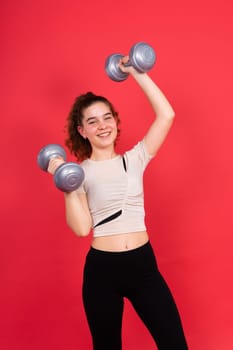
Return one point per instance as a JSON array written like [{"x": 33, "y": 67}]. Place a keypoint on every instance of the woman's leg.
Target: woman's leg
[
  {"x": 155, "y": 305},
  {"x": 103, "y": 304}
]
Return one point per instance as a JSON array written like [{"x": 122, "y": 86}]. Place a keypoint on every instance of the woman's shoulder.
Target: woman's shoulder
[
  {"x": 138, "y": 148},
  {"x": 139, "y": 153}
]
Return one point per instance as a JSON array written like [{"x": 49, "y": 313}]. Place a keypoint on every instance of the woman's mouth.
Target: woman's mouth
[{"x": 104, "y": 134}]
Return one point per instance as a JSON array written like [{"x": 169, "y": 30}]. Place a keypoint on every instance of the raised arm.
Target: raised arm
[{"x": 164, "y": 113}]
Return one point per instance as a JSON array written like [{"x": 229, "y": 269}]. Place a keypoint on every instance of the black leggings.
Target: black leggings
[{"x": 111, "y": 276}]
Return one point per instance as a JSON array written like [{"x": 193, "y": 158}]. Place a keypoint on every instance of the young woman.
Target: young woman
[{"x": 121, "y": 262}]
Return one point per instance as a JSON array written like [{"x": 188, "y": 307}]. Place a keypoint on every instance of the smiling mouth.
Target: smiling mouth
[{"x": 104, "y": 134}]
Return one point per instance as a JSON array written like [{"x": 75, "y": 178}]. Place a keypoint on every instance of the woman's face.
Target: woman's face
[{"x": 99, "y": 125}]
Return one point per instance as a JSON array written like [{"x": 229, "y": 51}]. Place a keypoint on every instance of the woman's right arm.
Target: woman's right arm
[
  {"x": 78, "y": 216},
  {"x": 77, "y": 212}
]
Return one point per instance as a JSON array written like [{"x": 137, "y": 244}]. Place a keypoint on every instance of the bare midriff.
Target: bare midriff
[{"x": 120, "y": 242}]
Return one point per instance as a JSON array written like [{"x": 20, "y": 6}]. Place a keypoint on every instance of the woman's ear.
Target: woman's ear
[{"x": 81, "y": 131}]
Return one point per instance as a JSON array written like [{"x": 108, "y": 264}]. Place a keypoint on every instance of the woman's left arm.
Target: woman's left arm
[{"x": 163, "y": 110}]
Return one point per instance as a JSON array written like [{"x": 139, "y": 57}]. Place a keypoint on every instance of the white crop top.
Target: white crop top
[{"x": 115, "y": 192}]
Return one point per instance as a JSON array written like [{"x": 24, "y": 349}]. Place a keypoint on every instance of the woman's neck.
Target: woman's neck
[{"x": 100, "y": 154}]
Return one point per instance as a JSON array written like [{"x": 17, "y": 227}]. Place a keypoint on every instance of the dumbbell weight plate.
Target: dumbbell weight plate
[
  {"x": 142, "y": 57},
  {"x": 68, "y": 176},
  {"x": 52, "y": 150},
  {"x": 112, "y": 68}
]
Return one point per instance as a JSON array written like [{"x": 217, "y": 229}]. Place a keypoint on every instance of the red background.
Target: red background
[{"x": 51, "y": 51}]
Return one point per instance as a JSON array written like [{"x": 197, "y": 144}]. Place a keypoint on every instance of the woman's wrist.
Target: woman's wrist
[{"x": 71, "y": 194}]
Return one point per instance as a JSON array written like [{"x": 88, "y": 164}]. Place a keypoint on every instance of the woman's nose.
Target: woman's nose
[{"x": 102, "y": 124}]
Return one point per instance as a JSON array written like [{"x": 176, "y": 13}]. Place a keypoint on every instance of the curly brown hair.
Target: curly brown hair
[{"x": 78, "y": 145}]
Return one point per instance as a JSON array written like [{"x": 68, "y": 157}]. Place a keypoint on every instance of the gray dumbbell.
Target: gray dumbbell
[
  {"x": 68, "y": 176},
  {"x": 141, "y": 56}
]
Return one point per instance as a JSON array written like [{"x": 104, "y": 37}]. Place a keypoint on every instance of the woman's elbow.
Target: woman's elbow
[
  {"x": 80, "y": 231},
  {"x": 167, "y": 117},
  {"x": 170, "y": 118},
  {"x": 171, "y": 114}
]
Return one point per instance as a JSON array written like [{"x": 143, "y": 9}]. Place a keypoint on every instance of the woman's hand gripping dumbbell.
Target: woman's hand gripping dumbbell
[
  {"x": 141, "y": 56},
  {"x": 67, "y": 176}
]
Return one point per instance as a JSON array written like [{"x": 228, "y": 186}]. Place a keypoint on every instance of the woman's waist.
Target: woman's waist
[
  {"x": 123, "y": 221},
  {"x": 120, "y": 242}
]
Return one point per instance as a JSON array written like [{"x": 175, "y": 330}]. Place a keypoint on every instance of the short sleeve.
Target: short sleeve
[
  {"x": 146, "y": 157},
  {"x": 82, "y": 188}
]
